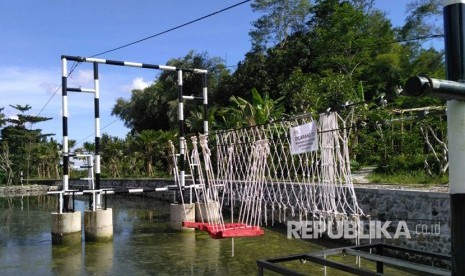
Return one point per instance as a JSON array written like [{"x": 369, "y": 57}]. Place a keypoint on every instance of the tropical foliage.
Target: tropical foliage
[
  {"x": 25, "y": 151},
  {"x": 306, "y": 57}
]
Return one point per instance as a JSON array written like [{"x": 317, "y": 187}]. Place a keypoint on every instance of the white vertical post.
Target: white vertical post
[
  {"x": 65, "y": 150},
  {"x": 181, "y": 132},
  {"x": 205, "y": 104},
  {"x": 97, "y": 203}
]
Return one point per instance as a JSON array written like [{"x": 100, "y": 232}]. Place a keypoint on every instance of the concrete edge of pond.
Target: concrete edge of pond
[{"x": 25, "y": 190}]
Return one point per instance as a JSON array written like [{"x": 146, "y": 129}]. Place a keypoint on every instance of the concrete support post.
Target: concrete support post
[
  {"x": 66, "y": 228},
  {"x": 98, "y": 225},
  {"x": 180, "y": 213},
  {"x": 207, "y": 212}
]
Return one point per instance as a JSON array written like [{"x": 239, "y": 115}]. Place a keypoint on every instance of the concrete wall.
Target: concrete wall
[
  {"x": 425, "y": 213},
  {"x": 23, "y": 190}
]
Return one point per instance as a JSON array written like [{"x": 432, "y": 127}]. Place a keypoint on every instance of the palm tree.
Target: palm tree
[
  {"x": 147, "y": 140},
  {"x": 195, "y": 120},
  {"x": 153, "y": 146},
  {"x": 88, "y": 147},
  {"x": 112, "y": 152},
  {"x": 53, "y": 155},
  {"x": 244, "y": 113}
]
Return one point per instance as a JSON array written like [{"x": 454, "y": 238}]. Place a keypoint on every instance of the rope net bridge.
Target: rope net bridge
[{"x": 298, "y": 168}]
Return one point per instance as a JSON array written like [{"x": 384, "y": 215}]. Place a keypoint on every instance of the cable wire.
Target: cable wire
[
  {"x": 171, "y": 29},
  {"x": 90, "y": 135},
  {"x": 75, "y": 65},
  {"x": 144, "y": 39}
]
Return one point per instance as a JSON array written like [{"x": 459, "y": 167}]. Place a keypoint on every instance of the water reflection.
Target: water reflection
[
  {"x": 24, "y": 235},
  {"x": 99, "y": 258},
  {"x": 66, "y": 260},
  {"x": 16, "y": 215},
  {"x": 142, "y": 243}
]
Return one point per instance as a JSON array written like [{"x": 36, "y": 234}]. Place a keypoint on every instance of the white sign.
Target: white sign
[{"x": 304, "y": 138}]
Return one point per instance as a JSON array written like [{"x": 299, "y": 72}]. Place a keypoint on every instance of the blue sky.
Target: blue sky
[{"x": 36, "y": 33}]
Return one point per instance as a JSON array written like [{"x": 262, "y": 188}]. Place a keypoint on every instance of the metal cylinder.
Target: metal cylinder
[
  {"x": 454, "y": 36},
  {"x": 445, "y": 89}
]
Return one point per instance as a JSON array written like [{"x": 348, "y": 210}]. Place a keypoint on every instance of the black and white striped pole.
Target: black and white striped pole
[
  {"x": 65, "y": 151},
  {"x": 96, "y": 61},
  {"x": 182, "y": 176},
  {"x": 96, "y": 92},
  {"x": 66, "y": 223},
  {"x": 97, "y": 204},
  {"x": 205, "y": 103},
  {"x": 452, "y": 89}
]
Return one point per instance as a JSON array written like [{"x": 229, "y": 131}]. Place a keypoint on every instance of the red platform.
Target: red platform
[{"x": 228, "y": 230}]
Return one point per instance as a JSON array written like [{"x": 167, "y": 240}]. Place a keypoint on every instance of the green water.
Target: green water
[{"x": 142, "y": 244}]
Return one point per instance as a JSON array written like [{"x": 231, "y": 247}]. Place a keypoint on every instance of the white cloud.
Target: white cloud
[
  {"x": 82, "y": 78},
  {"x": 36, "y": 86},
  {"x": 26, "y": 81},
  {"x": 139, "y": 83}
]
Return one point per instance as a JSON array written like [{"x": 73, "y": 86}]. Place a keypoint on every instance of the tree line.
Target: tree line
[{"x": 306, "y": 57}]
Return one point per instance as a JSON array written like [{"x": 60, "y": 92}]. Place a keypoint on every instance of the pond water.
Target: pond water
[{"x": 142, "y": 244}]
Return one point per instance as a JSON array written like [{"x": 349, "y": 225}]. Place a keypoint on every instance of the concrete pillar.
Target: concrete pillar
[
  {"x": 207, "y": 212},
  {"x": 66, "y": 228},
  {"x": 180, "y": 213},
  {"x": 98, "y": 225}
]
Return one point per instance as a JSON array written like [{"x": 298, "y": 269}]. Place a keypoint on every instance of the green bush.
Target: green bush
[
  {"x": 355, "y": 166},
  {"x": 401, "y": 163},
  {"x": 404, "y": 177}
]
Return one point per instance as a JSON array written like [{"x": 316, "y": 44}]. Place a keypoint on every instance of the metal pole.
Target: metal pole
[
  {"x": 64, "y": 90},
  {"x": 97, "y": 134},
  {"x": 181, "y": 131},
  {"x": 65, "y": 151},
  {"x": 205, "y": 103},
  {"x": 379, "y": 264},
  {"x": 454, "y": 36},
  {"x": 445, "y": 89}
]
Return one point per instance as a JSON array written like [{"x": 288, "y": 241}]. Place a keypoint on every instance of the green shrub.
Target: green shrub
[
  {"x": 354, "y": 165},
  {"x": 401, "y": 163},
  {"x": 414, "y": 177}
]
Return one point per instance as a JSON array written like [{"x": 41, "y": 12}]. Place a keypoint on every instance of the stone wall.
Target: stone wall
[
  {"x": 25, "y": 190},
  {"x": 426, "y": 214}
]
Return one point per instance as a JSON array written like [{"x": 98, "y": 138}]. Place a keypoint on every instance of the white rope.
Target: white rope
[
  {"x": 314, "y": 184},
  {"x": 176, "y": 175},
  {"x": 255, "y": 167},
  {"x": 211, "y": 190},
  {"x": 194, "y": 161}
]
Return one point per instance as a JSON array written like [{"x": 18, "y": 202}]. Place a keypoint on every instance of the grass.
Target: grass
[{"x": 414, "y": 177}]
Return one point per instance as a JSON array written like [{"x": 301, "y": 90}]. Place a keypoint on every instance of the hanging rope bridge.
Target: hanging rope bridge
[{"x": 270, "y": 172}]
